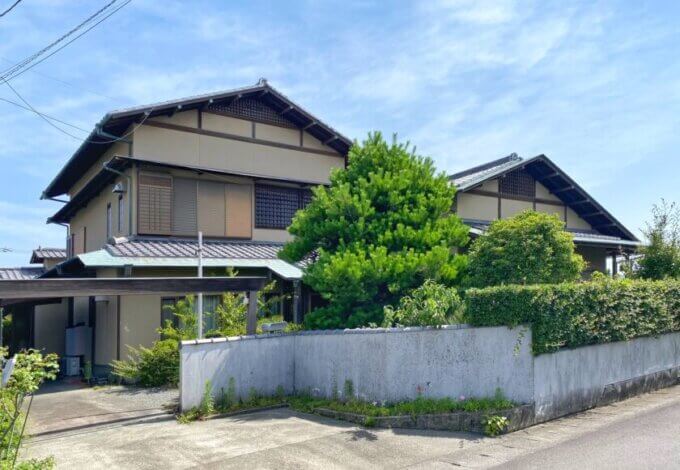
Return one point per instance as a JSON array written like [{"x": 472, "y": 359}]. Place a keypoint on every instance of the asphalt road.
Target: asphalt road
[{"x": 650, "y": 439}]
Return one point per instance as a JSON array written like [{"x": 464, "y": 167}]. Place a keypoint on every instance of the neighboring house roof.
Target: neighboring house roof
[
  {"x": 117, "y": 123},
  {"x": 543, "y": 170},
  {"x": 119, "y": 163},
  {"x": 41, "y": 254},
  {"x": 152, "y": 252},
  {"x": 9, "y": 274},
  {"x": 478, "y": 227}
]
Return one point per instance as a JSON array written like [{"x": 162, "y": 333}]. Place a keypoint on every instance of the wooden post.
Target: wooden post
[
  {"x": 296, "y": 302},
  {"x": 251, "y": 320}
]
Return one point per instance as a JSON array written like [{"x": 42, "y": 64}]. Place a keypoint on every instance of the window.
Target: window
[
  {"x": 109, "y": 221},
  {"x": 120, "y": 213},
  {"x": 155, "y": 204},
  {"x": 275, "y": 206},
  {"x": 518, "y": 183}
]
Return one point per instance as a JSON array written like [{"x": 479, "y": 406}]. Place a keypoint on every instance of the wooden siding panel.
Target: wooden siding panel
[
  {"x": 239, "y": 210},
  {"x": 211, "y": 209}
]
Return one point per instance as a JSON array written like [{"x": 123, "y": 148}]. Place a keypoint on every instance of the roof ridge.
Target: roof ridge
[{"x": 485, "y": 166}]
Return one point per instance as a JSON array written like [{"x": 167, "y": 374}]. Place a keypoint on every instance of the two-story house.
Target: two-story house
[{"x": 233, "y": 165}]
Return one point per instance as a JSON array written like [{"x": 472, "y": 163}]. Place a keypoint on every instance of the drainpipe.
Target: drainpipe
[{"x": 129, "y": 193}]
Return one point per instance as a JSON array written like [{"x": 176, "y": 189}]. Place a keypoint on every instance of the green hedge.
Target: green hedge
[{"x": 577, "y": 314}]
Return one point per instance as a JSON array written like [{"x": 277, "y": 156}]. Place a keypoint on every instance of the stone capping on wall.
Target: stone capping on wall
[{"x": 347, "y": 331}]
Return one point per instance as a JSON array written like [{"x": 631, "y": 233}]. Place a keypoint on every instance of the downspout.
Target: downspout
[{"x": 129, "y": 193}]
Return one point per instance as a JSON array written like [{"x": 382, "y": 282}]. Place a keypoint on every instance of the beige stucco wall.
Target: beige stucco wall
[
  {"x": 180, "y": 147},
  {"x": 576, "y": 222},
  {"x": 551, "y": 209},
  {"x": 106, "y": 331},
  {"x": 50, "y": 325},
  {"x": 477, "y": 207},
  {"x": 543, "y": 193},
  {"x": 93, "y": 217},
  {"x": 140, "y": 316},
  {"x": 118, "y": 148},
  {"x": 271, "y": 235},
  {"x": 510, "y": 207}
]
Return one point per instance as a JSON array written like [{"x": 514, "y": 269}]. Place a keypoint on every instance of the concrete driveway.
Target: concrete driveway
[{"x": 118, "y": 427}]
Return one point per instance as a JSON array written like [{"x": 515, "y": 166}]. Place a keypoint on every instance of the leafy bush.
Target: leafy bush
[
  {"x": 661, "y": 256},
  {"x": 382, "y": 227},
  {"x": 431, "y": 304},
  {"x": 494, "y": 425},
  {"x": 31, "y": 369},
  {"x": 577, "y": 314},
  {"x": 151, "y": 367},
  {"x": 529, "y": 248}
]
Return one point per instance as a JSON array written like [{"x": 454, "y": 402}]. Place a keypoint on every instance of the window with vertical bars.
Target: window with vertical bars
[
  {"x": 275, "y": 206},
  {"x": 518, "y": 183}
]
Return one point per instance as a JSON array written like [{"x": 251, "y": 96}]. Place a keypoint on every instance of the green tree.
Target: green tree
[
  {"x": 529, "y": 248},
  {"x": 380, "y": 229},
  {"x": 661, "y": 256}
]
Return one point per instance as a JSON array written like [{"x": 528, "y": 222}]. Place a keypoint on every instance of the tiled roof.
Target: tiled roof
[
  {"x": 41, "y": 254},
  {"x": 479, "y": 174},
  {"x": 186, "y": 248},
  {"x": 16, "y": 274},
  {"x": 579, "y": 235}
]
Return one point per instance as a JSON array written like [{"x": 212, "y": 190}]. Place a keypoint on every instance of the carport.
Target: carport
[{"x": 23, "y": 291}]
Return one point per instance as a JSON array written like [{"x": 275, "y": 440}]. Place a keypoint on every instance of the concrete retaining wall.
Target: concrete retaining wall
[
  {"x": 576, "y": 379},
  {"x": 401, "y": 363},
  {"x": 383, "y": 364}
]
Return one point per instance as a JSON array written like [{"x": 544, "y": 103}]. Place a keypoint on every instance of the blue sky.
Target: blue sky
[{"x": 593, "y": 85}]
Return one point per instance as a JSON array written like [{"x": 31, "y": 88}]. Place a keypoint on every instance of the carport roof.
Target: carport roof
[{"x": 151, "y": 252}]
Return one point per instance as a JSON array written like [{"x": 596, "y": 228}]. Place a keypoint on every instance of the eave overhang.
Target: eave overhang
[
  {"x": 118, "y": 122},
  {"x": 546, "y": 172}
]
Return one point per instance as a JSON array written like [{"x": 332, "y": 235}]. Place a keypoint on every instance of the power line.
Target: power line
[
  {"x": 18, "y": 105},
  {"x": 46, "y": 118},
  {"x": 10, "y": 8},
  {"x": 59, "y": 80},
  {"x": 31, "y": 61}
]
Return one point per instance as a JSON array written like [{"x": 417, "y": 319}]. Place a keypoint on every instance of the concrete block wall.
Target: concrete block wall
[
  {"x": 383, "y": 364},
  {"x": 401, "y": 363}
]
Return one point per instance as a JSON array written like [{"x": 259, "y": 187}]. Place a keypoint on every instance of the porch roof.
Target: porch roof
[{"x": 157, "y": 252}]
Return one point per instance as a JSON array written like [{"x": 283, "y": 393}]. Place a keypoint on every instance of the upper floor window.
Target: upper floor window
[
  {"x": 120, "y": 213},
  {"x": 275, "y": 206},
  {"x": 109, "y": 221},
  {"x": 518, "y": 183}
]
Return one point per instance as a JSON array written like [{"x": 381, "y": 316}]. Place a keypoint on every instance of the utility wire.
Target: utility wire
[
  {"x": 19, "y": 105},
  {"x": 64, "y": 82},
  {"x": 31, "y": 61},
  {"x": 48, "y": 121},
  {"x": 10, "y": 8}
]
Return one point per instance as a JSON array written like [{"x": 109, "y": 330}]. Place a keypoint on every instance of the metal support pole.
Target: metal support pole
[
  {"x": 199, "y": 301},
  {"x": 296, "y": 302},
  {"x": 251, "y": 321}
]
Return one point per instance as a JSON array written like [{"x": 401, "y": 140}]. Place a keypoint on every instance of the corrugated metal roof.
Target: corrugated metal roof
[
  {"x": 17, "y": 274},
  {"x": 41, "y": 254}
]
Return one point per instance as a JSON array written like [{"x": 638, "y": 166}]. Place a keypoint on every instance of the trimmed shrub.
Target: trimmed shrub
[
  {"x": 431, "y": 304},
  {"x": 578, "y": 314}
]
